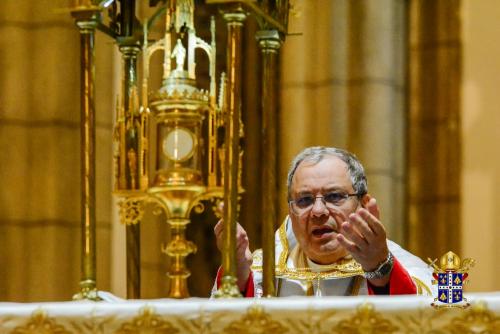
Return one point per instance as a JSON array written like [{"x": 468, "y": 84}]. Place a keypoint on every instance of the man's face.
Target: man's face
[{"x": 317, "y": 229}]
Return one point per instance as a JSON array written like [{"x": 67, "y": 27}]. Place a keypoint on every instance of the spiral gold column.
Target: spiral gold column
[
  {"x": 234, "y": 20},
  {"x": 269, "y": 43},
  {"x": 84, "y": 16}
]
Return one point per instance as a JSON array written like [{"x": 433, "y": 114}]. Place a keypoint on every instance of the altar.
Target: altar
[
  {"x": 198, "y": 120},
  {"x": 396, "y": 314}
]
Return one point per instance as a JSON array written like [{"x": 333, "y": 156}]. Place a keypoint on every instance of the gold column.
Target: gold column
[
  {"x": 133, "y": 241},
  {"x": 434, "y": 128},
  {"x": 178, "y": 249},
  {"x": 234, "y": 19},
  {"x": 269, "y": 43},
  {"x": 133, "y": 232},
  {"x": 84, "y": 16}
]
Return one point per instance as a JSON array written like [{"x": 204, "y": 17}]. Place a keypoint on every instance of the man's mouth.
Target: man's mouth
[{"x": 322, "y": 231}]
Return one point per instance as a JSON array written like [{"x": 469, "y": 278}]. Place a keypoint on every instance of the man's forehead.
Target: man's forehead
[
  {"x": 331, "y": 160},
  {"x": 329, "y": 172}
]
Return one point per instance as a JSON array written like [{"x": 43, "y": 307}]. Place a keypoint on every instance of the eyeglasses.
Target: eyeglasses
[{"x": 304, "y": 204}]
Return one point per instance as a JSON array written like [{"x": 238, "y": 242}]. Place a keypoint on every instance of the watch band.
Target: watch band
[{"x": 383, "y": 270}]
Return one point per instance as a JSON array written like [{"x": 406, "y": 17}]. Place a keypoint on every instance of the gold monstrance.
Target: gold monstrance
[{"x": 187, "y": 169}]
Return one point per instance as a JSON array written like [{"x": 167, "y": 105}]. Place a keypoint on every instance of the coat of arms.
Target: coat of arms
[{"x": 450, "y": 277}]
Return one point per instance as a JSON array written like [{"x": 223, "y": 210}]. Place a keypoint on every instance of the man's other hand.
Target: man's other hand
[{"x": 243, "y": 253}]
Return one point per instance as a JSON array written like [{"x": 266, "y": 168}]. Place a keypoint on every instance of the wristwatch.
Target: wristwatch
[{"x": 383, "y": 270}]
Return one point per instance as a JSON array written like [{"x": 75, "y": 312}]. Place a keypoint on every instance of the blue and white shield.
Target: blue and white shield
[{"x": 450, "y": 287}]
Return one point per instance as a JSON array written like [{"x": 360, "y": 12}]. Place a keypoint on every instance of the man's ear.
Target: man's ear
[{"x": 365, "y": 199}]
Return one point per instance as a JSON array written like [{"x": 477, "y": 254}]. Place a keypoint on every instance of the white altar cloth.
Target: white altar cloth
[{"x": 368, "y": 314}]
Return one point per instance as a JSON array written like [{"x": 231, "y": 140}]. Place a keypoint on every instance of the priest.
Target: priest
[{"x": 332, "y": 242}]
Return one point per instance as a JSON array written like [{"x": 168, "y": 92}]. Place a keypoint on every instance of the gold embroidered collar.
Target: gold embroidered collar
[{"x": 346, "y": 267}]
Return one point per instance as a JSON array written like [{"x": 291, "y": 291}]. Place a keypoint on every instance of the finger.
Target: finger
[
  {"x": 218, "y": 227},
  {"x": 372, "y": 221},
  {"x": 241, "y": 236},
  {"x": 242, "y": 247},
  {"x": 242, "y": 240},
  {"x": 362, "y": 227},
  {"x": 239, "y": 228},
  {"x": 349, "y": 245},
  {"x": 242, "y": 244},
  {"x": 240, "y": 231},
  {"x": 372, "y": 207},
  {"x": 350, "y": 232}
]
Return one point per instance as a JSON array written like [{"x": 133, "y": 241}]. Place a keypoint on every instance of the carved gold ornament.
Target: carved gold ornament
[
  {"x": 421, "y": 321},
  {"x": 477, "y": 319},
  {"x": 131, "y": 210},
  {"x": 147, "y": 322},
  {"x": 40, "y": 323},
  {"x": 365, "y": 321},
  {"x": 255, "y": 321}
]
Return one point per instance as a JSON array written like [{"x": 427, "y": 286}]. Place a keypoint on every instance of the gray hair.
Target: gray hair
[{"x": 317, "y": 153}]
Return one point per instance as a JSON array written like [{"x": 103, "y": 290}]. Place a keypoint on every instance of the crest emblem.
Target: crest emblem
[{"x": 450, "y": 278}]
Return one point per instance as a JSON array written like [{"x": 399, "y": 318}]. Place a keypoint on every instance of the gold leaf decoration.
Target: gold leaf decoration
[
  {"x": 92, "y": 324},
  {"x": 131, "y": 210},
  {"x": 365, "y": 321},
  {"x": 421, "y": 321},
  {"x": 255, "y": 321},
  {"x": 40, "y": 323},
  {"x": 311, "y": 321},
  {"x": 477, "y": 319},
  {"x": 147, "y": 321}
]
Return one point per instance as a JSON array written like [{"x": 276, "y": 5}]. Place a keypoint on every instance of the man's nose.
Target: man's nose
[{"x": 319, "y": 207}]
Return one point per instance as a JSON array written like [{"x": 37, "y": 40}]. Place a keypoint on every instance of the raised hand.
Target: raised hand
[
  {"x": 243, "y": 253},
  {"x": 364, "y": 237}
]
